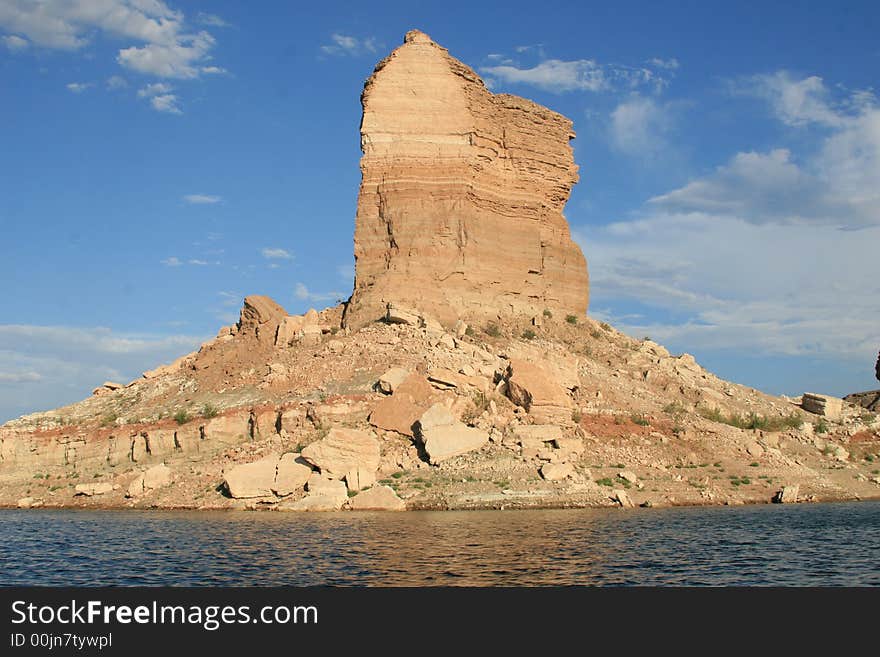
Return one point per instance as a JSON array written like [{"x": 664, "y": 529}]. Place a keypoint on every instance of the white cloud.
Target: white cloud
[
  {"x": 203, "y": 199},
  {"x": 164, "y": 49},
  {"x": 154, "y": 89},
  {"x": 15, "y": 43},
  {"x": 214, "y": 70},
  {"x": 797, "y": 102},
  {"x": 169, "y": 60},
  {"x": 276, "y": 254},
  {"x": 770, "y": 254},
  {"x": 20, "y": 377},
  {"x": 303, "y": 293},
  {"x": 560, "y": 76},
  {"x": 342, "y": 44},
  {"x": 669, "y": 64},
  {"x": 837, "y": 184},
  {"x": 195, "y": 261},
  {"x": 639, "y": 126},
  {"x": 165, "y": 103},
  {"x": 729, "y": 284},
  {"x": 116, "y": 82},
  {"x": 78, "y": 87},
  {"x": 43, "y": 367},
  {"x": 211, "y": 20},
  {"x": 172, "y": 261},
  {"x": 554, "y": 75}
]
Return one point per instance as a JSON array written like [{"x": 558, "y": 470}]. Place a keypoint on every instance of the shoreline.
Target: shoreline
[{"x": 560, "y": 506}]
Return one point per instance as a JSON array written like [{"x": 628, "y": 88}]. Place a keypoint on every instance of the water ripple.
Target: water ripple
[{"x": 813, "y": 545}]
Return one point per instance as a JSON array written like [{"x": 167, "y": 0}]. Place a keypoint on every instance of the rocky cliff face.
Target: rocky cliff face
[{"x": 460, "y": 205}]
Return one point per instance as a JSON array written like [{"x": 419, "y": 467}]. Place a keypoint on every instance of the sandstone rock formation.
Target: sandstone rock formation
[
  {"x": 378, "y": 498},
  {"x": 822, "y": 405},
  {"x": 443, "y": 437},
  {"x": 460, "y": 206},
  {"x": 346, "y": 454}
]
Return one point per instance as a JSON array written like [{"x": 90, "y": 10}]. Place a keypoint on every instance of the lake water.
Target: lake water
[{"x": 826, "y": 544}]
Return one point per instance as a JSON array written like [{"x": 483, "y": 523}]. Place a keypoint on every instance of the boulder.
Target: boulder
[
  {"x": 397, "y": 315},
  {"x": 401, "y": 410},
  {"x": 392, "y": 379},
  {"x": 788, "y": 495},
  {"x": 544, "y": 433},
  {"x": 25, "y": 502},
  {"x": 443, "y": 437},
  {"x": 346, "y": 453},
  {"x": 532, "y": 388},
  {"x": 260, "y": 317},
  {"x": 254, "y": 479},
  {"x": 869, "y": 400},
  {"x": 377, "y": 498},
  {"x": 157, "y": 477},
  {"x": 620, "y": 496},
  {"x": 324, "y": 495},
  {"x": 88, "y": 490},
  {"x": 292, "y": 474},
  {"x": 289, "y": 329},
  {"x": 557, "y": 471},
  {"x": 754, "y": 449},
  {"x": 626, "y": 475},
  {"x": 826, "y": 405}
]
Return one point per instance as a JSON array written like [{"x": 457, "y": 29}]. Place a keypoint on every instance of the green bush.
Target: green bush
[
  {"x": 181, "y": 417},
  {"x": 209, "y": 411},
  {"x": 528, "y": 334},
  {"x": 492, "y": 331},
  {"x": 571, "y": 319}
]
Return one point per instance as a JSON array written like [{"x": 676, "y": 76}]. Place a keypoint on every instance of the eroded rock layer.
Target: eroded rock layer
[{"x": 460, "y": 206}]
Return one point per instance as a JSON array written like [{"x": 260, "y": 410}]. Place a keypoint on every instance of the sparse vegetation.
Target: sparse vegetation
[
  {"x": 492, "y": 331},
  {"x": 605, "y": 326},
  {"x": 479, "y": 405},
  {"x": 754, "y": 464},
  {"x": 109, "y": 419},
  {"x": 674, "y": 408},
  {"x": 528, "y": 334},
  {"x": 605, "y": 481},
  {"x": 821, "y": 426},
  {"x": 752, "y": 420},
  {"x": 398, "y": 475},
  {"x": 209, "y": 411},
  {"x": 469, "y": 331},
  {"x": 571, "y": 319},
  {"x": 181, "y": 416},
  {"x": 548, "y": 314},
  {"x": 640, "y": 419},
  {"x": 576, "y": 416}
]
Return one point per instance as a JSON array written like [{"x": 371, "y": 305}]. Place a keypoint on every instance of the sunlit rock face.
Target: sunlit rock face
[{"x": 460, "y": 206}]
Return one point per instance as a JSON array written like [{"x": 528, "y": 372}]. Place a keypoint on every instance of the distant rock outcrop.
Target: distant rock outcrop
[{"x": 460, "y": 205}]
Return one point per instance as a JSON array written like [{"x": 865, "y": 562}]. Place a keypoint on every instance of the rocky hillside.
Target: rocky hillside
[{"x": 294, "y": 412}]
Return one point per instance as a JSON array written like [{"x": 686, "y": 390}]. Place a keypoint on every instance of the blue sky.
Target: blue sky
[{"x": 161, "y": 160}]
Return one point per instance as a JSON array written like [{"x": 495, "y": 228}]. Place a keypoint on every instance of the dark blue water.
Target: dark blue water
[{"x": 817, "y": 545}]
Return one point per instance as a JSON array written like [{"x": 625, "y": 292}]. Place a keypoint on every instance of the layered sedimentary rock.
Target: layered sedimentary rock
[{"x": 460, "y": 206}]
